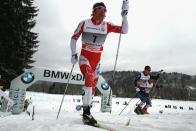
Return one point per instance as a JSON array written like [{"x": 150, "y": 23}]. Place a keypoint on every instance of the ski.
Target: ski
[
  {"x": 110, "y": 126},
  {"x": 102, "y": 126},
  {"x": 105, "y": 126},
  {"x": 121, "y": 124}
]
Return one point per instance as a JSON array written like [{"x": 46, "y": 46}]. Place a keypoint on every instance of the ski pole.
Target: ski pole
[
  {"x": 159, "y": 72},
  {"x": 133, "y": 106},
  {"x": 125, "y": 106},
  {"x": 157, "y": 81},
  {"x": 65, "y": 91},
  {"x": 114, "y": 70}
]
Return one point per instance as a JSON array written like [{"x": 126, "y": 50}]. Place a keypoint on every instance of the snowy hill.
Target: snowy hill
[{"x": 164, "y": 115}]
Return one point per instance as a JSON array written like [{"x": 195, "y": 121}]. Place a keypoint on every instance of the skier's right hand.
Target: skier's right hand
[
  {"x": 74, "y": 58},
  {"x": 159, "y": 72},
  {"x": 125, "y": 8}
]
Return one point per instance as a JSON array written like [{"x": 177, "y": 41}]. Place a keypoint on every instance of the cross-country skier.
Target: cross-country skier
[
  {"x": 94, "y": 32},
  {"x": 143, "y": 84},
  {"x": 27, "y": 102}
]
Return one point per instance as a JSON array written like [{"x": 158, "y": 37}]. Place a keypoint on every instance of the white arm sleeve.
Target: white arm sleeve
[
  {"x": 75, "y": 37},
  {"x": 124, "y": 25},
  {"x": 73, "y": 46}
]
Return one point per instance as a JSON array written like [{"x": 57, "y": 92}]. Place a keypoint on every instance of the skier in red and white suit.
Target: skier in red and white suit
[{"x": 94, "y": 32}]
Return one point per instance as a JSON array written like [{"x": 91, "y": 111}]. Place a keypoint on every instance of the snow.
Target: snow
[{"x": 47, "y": 105}]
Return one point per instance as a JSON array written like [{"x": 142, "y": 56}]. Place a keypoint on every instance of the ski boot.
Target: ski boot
[
  {"x": 88, "y": 119},
  {"x": 144, "y": 110},
  {"x": 138, "y": 110}
]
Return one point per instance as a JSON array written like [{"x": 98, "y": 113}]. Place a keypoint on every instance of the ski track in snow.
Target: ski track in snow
[{"x": 47, "y": 105}]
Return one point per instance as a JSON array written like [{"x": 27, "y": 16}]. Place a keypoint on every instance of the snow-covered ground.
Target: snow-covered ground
[{"x": 165, "y": 115}]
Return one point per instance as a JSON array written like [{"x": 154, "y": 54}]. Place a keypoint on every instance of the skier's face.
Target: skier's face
[
  {"x": 146, "y": 72},
  {"x": 100, "y": 12}
]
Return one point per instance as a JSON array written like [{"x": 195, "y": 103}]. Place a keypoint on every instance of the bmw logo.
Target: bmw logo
[
  {"x": 27, "y": 77},
  {"x": 104, "y": 85}
]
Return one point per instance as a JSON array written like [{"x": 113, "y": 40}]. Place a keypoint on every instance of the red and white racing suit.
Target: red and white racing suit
[{"x": 93, "y": 38}]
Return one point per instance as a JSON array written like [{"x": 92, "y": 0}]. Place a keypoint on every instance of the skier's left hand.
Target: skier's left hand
[{"x": 125, "y": 8}]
